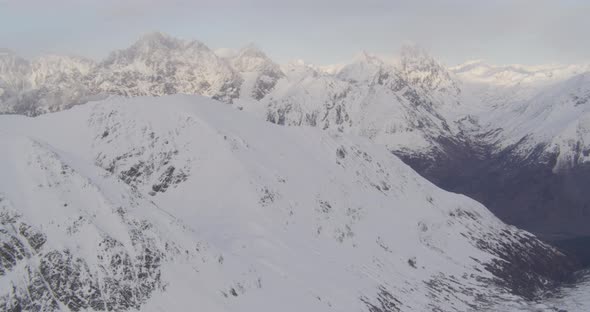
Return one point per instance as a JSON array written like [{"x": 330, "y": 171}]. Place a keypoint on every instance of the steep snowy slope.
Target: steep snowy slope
[{"x": 179, "y": 202}]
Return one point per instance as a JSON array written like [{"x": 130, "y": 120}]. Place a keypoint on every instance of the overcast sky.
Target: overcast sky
[{"x": 321, "y": 32}]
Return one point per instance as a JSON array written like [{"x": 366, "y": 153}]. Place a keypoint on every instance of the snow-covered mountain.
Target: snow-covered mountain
[
  {"x": 556, "y": 117},
  {"x": 367, "y": 97},
  {"x": 259, "y": 73},
  {"x": 47, "y": 84},
  {"x": 179, "y": 202},
  {"x": 397, "y": 104},
  {"x": 530, "y": 162},
  {"x": 454, "y": 125},
  {"x": 158, "y": 64}
]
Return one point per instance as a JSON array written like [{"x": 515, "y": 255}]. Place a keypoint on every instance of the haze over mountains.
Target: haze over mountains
[{"x": 196, "y": 186}]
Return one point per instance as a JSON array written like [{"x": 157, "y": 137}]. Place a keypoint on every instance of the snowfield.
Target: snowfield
[{"x": 180, "y": 202}]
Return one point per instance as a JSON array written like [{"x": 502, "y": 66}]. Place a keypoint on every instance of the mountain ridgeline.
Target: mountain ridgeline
[{"x": 515, "y": 138}]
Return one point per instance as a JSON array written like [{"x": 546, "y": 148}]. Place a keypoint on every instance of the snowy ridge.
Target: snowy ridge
[{"x": 164, "y": 203}]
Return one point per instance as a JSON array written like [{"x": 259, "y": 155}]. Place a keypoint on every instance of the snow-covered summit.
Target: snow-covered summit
[
  {"x": 421, "y": 69},
  {"x": 363, "y": 68},
  {"x": 158, "y": 64},
  {"x": 252, "y": 59},
  {"x": 259, "y": 72}
]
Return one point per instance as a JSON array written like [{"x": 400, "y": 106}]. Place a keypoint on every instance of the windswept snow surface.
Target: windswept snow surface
[{"x": 180, "y": 203}]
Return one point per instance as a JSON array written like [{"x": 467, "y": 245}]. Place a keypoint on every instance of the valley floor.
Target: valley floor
[{"x": 569, "y": 298}]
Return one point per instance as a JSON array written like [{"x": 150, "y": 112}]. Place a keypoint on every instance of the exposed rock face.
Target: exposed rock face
[{"x": 53, "y": 278}]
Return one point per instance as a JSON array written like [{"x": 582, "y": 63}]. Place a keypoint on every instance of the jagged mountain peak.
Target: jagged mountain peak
[
  {"x": 415, "y": 52},
  {"x": 155, "y": 41},
  {"x": 159, "y": 64},
  {"x": 259, "y": 72},
  {"x": 416, "y": 58},
  {"x": 419, "y": 68},
  {"x": 252, "y": 59},
  {"x": 366, "y": 57},
  {"x": 157, "y": 45},
  {"x": 363, "y": 68},
  {"x": 162, "y": 40},
  {"x": 251, "y": 50}
]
